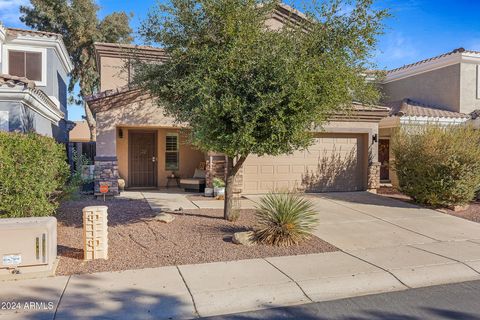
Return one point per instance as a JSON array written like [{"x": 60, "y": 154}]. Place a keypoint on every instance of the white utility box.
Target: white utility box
[
  {"x": 95, "y": 232},
  {"x": 27, "y": 246}
]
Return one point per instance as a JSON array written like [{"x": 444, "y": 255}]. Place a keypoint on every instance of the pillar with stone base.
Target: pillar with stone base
[
  {"x": 106, "y": 174},
  {"x": 373, "y": 177}
]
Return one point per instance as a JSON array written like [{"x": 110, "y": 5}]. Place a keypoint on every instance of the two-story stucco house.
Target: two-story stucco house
[
  {"x": 34, "y": 67},
  {"x": 444, "y": 89},
  {"x": 136, "y": 142}
]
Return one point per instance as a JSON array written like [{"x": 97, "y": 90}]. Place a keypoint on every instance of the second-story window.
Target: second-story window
[{"x": 25, "y": 64}]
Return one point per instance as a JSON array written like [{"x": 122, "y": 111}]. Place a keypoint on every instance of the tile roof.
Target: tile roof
[
  {"x": 12, "y": 81},
  {"x": 411, "y": 108},
  {"x": 358, "y": 112},
  {"x": 108, "y": 93},
  {"x": 44, "y": 34},
  {"x": 458, "y": 50}
]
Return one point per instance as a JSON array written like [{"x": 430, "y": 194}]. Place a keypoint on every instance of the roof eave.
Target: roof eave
[{"x": 34, "y": 98}]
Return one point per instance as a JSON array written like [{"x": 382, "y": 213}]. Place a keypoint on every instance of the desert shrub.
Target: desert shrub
[
  {"x": 438, "y": 165},
  {"x": 284, "y": 219},
  {"x": 33, "y": 173}
]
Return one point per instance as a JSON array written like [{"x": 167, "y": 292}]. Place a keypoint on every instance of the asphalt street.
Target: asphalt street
[{"x": 460, "y": 301}]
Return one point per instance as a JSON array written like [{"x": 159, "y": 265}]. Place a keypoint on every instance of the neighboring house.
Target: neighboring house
[
  {"x": 33, "y": 82},
  {"x": 444, "y": 89},
  {"x": 137, "y": 142},
  {"x": 79, "y": 140},
  {"x": 80, "y": 132}
]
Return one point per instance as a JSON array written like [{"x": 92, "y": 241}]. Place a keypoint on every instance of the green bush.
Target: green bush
[
  {"x": 33, "y": 172},
  {"x": 438, "y": 166},
  {"x": 284, "y": 219},
  {"x": 218, "y": 183}
]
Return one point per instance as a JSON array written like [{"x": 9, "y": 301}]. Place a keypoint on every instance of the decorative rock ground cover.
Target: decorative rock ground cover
[{"x": 137, "y": 240}]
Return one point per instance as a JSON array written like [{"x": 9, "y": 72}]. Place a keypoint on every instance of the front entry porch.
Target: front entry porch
[{"x": 149, "y": 157}]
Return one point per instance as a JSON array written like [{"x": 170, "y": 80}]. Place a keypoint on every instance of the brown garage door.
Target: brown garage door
[{"x": 336, "y": 162}]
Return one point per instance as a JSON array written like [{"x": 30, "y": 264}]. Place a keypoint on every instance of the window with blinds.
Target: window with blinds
[
  {"x": 25, "y": 64},
  {"x": 171, "y": 151}
]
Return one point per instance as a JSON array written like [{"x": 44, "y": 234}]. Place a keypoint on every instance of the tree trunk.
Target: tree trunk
[
  {"x": 232, "y": 170},
  {"x": 92, "y": 124}
]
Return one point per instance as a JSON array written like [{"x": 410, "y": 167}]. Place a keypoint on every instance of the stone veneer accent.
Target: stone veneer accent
[
  {"x": 106, "y": 173},
  {"x": 216, "y": 167},
  {"x": 373, "y": 176},
  {"x": 238, "y": 184}
]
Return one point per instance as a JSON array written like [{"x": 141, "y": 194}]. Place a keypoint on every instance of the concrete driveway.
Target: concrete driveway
[{"x": 362, "y": 220}]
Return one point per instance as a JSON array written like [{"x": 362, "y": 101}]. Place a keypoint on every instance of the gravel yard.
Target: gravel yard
[
  {"x": 472, "y": 213},
  {"x": 137, "y": 241}
]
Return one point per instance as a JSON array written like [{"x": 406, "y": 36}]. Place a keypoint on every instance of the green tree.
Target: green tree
[
  {"x": 77, "y": 22},
  {"x": 244, "y": 89}
]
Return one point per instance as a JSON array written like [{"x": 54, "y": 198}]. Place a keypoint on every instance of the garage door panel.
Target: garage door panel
[
  {"x": 281, "y": 169},
  {"x": 267, "y": 169},
  {"x": 266, "y": 185},
  {"x": 298, "y": 169},
  {"x": 282, "y": 185},
  {"x": 250, "y": 169},
  {"x": 251, "y": 185},
  {"x": 336, "y": 162}
]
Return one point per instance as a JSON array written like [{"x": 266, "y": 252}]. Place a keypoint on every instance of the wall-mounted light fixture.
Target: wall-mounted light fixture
[
  {"x": 374, "y": 138},
  {"x": 120, "y": 133}
]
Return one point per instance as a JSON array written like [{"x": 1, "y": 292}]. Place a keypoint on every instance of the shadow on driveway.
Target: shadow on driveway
[{"x": 363, "y": 197}]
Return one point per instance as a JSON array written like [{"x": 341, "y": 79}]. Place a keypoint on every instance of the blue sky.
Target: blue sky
[{"x": 417, "y": 30}]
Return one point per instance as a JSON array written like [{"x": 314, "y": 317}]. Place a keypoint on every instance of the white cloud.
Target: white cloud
[
  {"x": 10, "y": 13},
  {"x": 396, "y": 49}
]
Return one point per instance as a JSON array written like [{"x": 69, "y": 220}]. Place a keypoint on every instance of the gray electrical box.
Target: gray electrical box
[{"x": 27, "y": 246}]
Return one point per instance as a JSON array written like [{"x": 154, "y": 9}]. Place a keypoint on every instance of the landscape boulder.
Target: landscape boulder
[
  {"x": 164, "y": 217},
  {"x": 245, "y": 238}
]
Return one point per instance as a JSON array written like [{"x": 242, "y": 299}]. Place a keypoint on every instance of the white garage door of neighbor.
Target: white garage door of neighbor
[{"x": 335, "y": 162}]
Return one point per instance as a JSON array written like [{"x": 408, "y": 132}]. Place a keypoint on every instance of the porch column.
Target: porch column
[
  {"x": 373, "y": 178},
  {"x": 106, "y": 162},
  {"x": 216, "y": 167}
]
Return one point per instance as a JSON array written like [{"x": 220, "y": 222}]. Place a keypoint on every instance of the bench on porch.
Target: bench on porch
[{"x": 196, "y": 183}]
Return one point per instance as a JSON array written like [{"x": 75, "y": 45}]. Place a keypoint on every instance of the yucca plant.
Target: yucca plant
[{"x": 284, "y": 219}]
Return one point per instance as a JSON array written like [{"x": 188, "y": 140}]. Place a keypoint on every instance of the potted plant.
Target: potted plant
[{"x": 218, "y": 187}]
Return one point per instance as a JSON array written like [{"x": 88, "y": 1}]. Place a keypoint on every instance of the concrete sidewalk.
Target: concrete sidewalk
[{"x": 191, "y": 291}]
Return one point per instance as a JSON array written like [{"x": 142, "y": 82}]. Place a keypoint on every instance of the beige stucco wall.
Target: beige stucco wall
[
  {"x": 468, "y": 88},
  {"x": 369, "y": 128},
  {"x": 113, "y": 73},
  {"x": 440, "y": 87},
  {"x": 143, "y": 113},
  {"x": 189, "y": 158}
]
